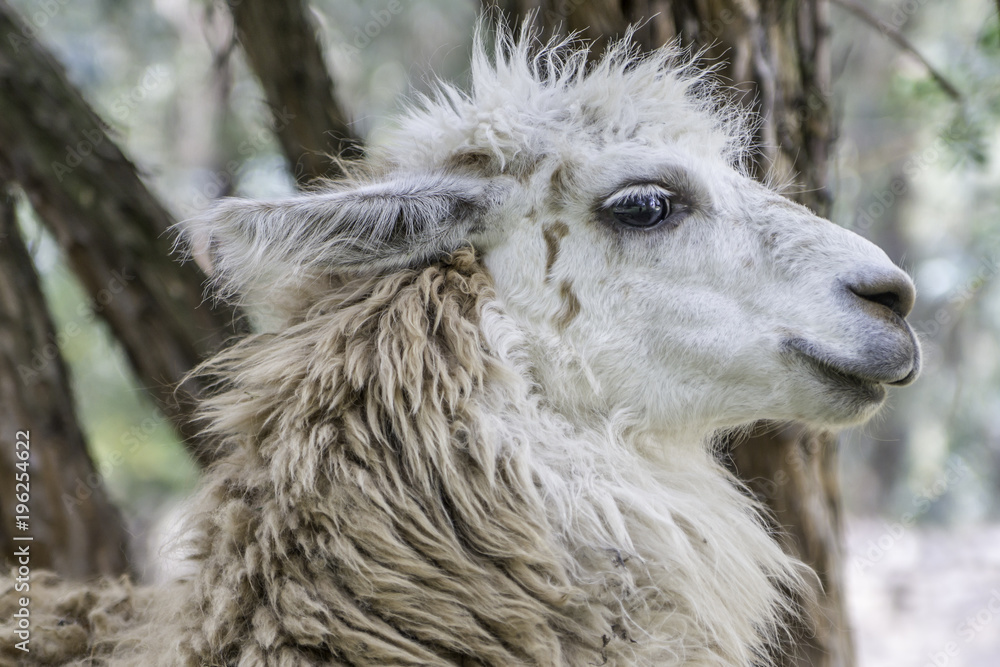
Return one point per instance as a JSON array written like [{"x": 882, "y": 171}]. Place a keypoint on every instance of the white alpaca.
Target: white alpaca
[{"x": 480, "y": 433}]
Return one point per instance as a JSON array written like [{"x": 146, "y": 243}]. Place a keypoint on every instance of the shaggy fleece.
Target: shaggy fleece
[
  {"x": 393, "y": 485},
  {"x": 391, "y": 492},
  {"x": 72, "y": 624}
]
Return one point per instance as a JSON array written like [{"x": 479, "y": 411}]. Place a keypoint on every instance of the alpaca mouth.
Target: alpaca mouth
[{"x": 869, "y": 376}]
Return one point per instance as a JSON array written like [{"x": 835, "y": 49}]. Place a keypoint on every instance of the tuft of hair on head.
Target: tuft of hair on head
[{"x": 531, "y": 98}]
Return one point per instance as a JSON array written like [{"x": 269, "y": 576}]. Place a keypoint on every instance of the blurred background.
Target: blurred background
[{"x": 914, "y": 169}]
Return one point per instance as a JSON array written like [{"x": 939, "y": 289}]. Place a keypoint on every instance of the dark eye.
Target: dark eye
[{"x": 641, "y": 210}]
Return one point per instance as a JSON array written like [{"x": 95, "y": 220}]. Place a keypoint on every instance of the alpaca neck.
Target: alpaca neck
[{"x": 653, "y": 528}]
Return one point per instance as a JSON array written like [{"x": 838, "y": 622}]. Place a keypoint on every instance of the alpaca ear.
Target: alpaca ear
[{"x": 259, "y": 248}]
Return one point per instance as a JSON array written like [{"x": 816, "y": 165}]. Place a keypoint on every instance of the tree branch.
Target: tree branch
[
  {"x": 112, "y": 230},
  {"x": 598, "y": 21},
  {"x": 282, "y": 46},
  {"x": 75, "y": 528},
  {"x": 896, "y": 36}
]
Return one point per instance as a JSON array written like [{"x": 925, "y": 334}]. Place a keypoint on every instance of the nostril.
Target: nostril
[
  {"x": 894, "y": 291},
  {"x": 888, "y": 299}
]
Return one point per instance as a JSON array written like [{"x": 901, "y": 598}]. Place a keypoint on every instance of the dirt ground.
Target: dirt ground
[{"x": 924, "y": 597}]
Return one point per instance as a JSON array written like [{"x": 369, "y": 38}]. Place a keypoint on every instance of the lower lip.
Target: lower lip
[
  {"x": 907, "y": 380},
  {"x": 875, "y": 391},
  {"x": 802, "y": 349}
]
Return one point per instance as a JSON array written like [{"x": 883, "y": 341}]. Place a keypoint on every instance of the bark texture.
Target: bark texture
[
  {"x": 794, "y": 470},
  {"x": 111, "y": 229},
  {"x": 74, "y": 527},
  {"x": 282, "y": 46},
  {"x": 776, "y": 55}
]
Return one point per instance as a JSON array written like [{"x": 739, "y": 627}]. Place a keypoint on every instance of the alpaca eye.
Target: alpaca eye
[{"x": 642, "y": 210}]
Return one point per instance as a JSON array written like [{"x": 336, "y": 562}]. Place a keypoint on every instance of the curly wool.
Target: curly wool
[
  {"x": 361, "y": 494},
  {"x": 391, "y": 493},
  {"x": 72, "y": 624}
]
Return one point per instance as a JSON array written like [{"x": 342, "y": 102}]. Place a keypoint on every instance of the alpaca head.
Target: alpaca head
[{"x": 648, "y": 274}]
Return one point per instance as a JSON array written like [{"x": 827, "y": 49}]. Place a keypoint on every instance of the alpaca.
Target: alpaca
[{"x": 478, "y": 427}]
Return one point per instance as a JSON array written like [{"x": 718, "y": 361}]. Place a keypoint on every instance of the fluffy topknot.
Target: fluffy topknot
[{"x": 531, "y": 99}]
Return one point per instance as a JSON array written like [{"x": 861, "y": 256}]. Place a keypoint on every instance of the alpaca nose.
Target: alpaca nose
[{"x": 892, "y": 289}]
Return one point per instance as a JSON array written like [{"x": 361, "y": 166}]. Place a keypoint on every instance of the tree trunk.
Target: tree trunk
[
  {"x": 74, "y": 528},
  {"x": 776, "y": 53},
  {"x": 281, "y": 44},
  {"x": 794, "y": 470},
  {"x": 112, "y": 230}
]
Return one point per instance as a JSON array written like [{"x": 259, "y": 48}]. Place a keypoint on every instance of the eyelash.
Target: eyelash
[
  {"x": 641, "y": 207},
  {"x": 637, "y": 190}
]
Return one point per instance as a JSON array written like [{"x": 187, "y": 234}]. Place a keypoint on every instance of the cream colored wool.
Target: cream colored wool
[
  {"x": 461, "y": 443},
  {"x": 70, "y": 622},
  {"x": 368, "y": 511}
]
